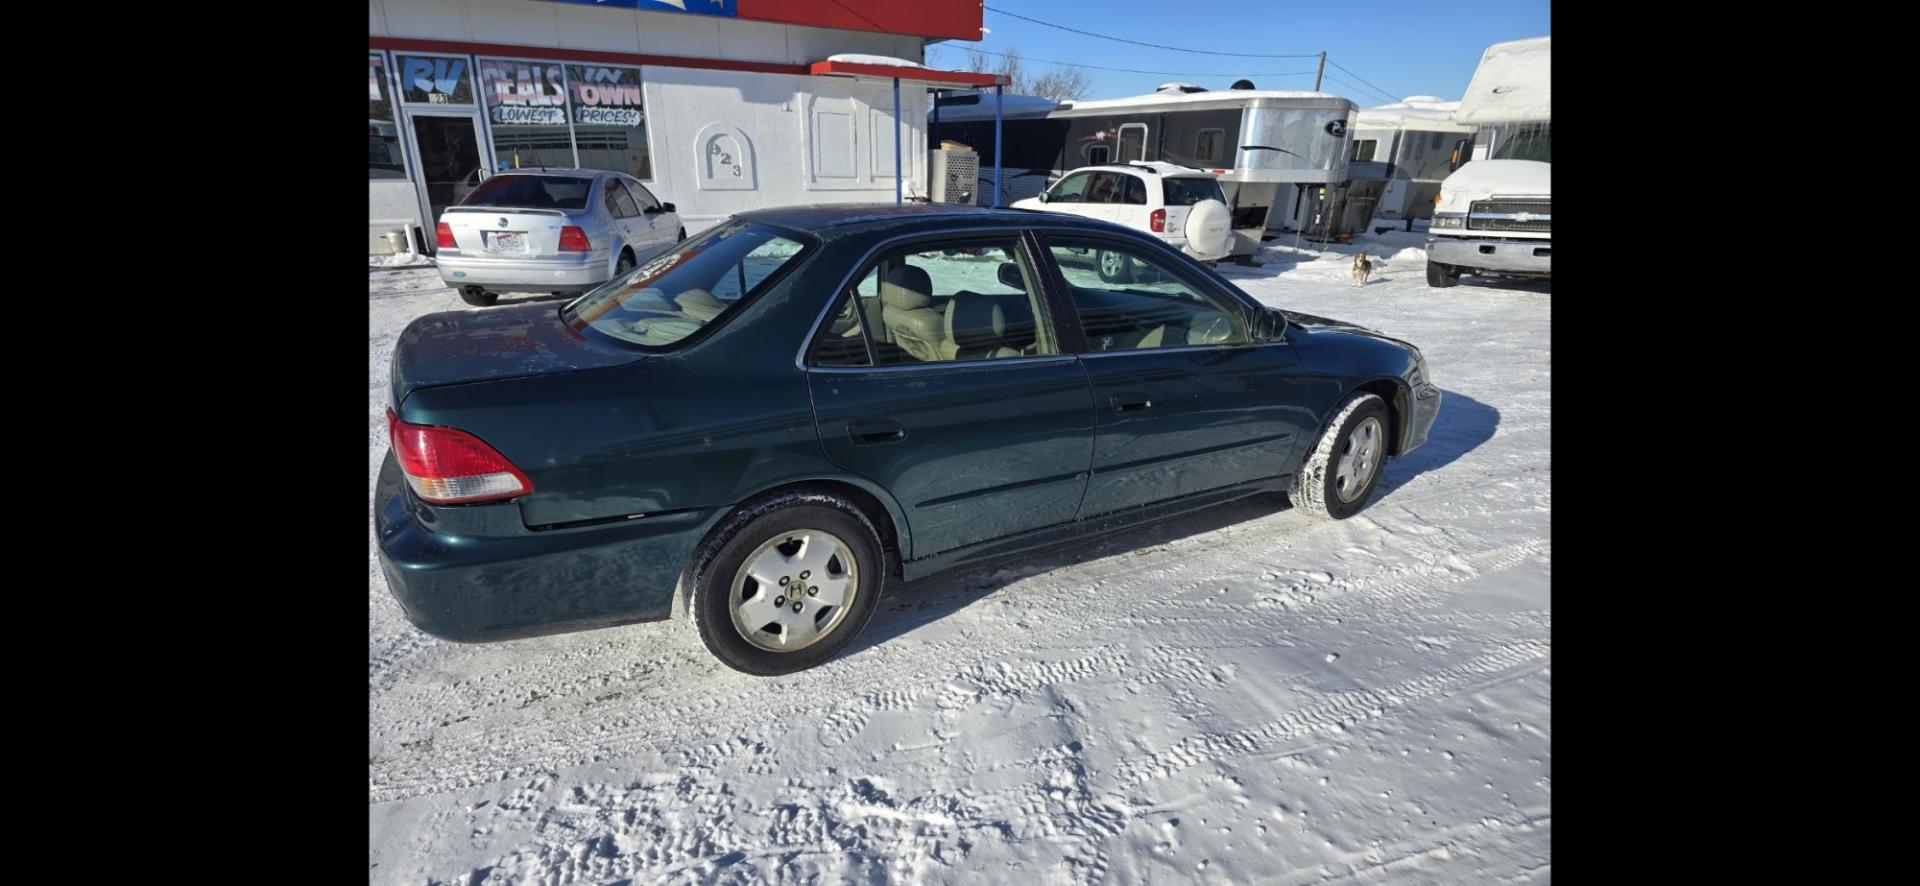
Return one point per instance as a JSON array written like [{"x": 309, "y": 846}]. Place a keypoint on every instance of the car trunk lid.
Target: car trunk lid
[
  {"x": 460, "y": 347},
  {"x": 482, "y": 231}
]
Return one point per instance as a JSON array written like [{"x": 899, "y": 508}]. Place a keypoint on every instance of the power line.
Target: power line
[
  {"x": 1358, "y": 89},
  {"x": 1043, "y": 61},
  {"x": 1151, "y": 45},
  {"x": 1390, "y": 98}
]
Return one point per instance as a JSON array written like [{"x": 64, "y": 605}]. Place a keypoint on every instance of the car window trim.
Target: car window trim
[
  {"x": 851, "y": 278},
  {"x": 1060, "y": 280}
]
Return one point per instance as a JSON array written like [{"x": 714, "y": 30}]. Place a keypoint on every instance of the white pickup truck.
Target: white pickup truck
[{"x": 1494, "y": 217}]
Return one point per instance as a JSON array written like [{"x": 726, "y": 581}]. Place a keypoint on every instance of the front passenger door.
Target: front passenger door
[
  {"x": 1185, "y": 400},
  {"x": 627, "y": 220}
]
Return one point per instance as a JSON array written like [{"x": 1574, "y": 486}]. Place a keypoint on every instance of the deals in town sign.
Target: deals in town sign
[{"x": 525, "y": 93}]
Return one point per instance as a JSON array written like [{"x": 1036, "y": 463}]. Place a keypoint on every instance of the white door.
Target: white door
[{"x": 1133, "y": 143}]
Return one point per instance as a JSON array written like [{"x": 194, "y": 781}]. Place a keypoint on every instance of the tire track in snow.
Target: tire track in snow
[{"x": 563, "y": 738}]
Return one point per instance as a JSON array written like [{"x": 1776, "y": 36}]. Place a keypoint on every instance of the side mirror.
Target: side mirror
[
  {"x": 668, "y": 207},
  {"x": 1043, "y": 196},
  {"x": 1010, "y": 276},
  {"x": 1266, "y": 324}
]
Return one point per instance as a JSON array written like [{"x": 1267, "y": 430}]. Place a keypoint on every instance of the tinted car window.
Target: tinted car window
[
  {"x": 531, "y": 192},
  {"x": 1188, "y": 191},
  {"x": 1072, "y": 189},
  {"x": 967, "y": 300},
  {"x": 1105, "y": 189},
  {"x": 641, "y": 195},
  {"x": 619, "y": 203},
  {"x": 1136, "y": 191},
  {"x": 1129, "y": 299},
  {"x": 687, "y": 287}
]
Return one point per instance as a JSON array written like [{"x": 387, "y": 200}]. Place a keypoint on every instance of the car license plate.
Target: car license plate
[{"x": 508, "y": 241}]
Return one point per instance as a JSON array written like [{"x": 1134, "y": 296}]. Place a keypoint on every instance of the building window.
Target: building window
[
  {"x": 610, "y": 119},
  {"x": 434, "y": 80},
  {"x": 383, "y": 133},
  {"x": 1363, "y": 150},
  {"x": 1208, "y": 147},
  {"x": 526, "y": 105},
  {"x": 1098, "y": 155}
]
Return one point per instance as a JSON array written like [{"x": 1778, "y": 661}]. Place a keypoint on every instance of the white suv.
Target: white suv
[{"x": 1180, "y": 205}]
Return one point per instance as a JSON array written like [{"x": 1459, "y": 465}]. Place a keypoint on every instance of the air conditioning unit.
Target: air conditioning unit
[{"x": 952, "y": 176}]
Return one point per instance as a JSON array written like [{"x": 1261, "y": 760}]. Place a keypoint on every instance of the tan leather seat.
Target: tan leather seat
[
  {"x": 699, "y": 304},
  {"x": 906, "y": 296},
  {"x": 976, "y": 328}
]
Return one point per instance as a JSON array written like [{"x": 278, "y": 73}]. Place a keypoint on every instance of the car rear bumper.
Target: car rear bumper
[
  {"x": 559, "y": 274},
  {"x": 475, "y": 574},
  {"x": 1514, "y": 256},
  {"x": 1421, "y": 413}
]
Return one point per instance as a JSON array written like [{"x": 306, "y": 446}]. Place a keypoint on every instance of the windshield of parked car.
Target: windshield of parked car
[
  {"x": 531, "y": 192},
  {"x": 1188, "y": 191},
  {"x": 681, "y": 291}
]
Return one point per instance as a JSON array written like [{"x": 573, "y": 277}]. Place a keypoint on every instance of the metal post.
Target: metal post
[
  {"x": 897, "y": 171},
  {"x": 1321, "y": 70},
  {"x": 996, "y": 144}
]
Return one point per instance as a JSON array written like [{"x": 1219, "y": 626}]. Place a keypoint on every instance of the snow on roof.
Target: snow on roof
[
  {"x": 1513, "y": 83},
  {"x": 1420, "y": 111},
  {"x": 861, "y": 58},
  {"x": 1226, "y": 95},
  {"x": 1010, "y": 106}
]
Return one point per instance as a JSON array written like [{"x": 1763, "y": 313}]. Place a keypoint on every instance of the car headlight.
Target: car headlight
[{"x": 1449, "y": 221}]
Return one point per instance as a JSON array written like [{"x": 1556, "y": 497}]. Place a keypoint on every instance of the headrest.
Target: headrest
[
  {"x": 975, "y": 321},
  {"x": 699, "y": 304},
  {"x": 907, "y": 287}
]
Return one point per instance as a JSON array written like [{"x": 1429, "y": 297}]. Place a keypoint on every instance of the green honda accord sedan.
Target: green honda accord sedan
[{"x": 764, "y": 427}]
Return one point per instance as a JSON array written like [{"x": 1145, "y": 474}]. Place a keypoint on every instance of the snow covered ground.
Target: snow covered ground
[{"x": 1237, "y": 696}]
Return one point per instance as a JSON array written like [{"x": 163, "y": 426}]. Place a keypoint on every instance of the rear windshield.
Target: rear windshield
[
  {"x": 531, "y": 192},
  {"x": 1188, "y": 191},
  {"x": 687, "y": 287}
]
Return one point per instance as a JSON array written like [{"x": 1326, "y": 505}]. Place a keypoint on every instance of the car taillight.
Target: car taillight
[
  {"x": 572, "y": 239},
  {"x": 444, "y": 235},
  {"x": 448, "y": 466},
  {"x": 1158, "y": 220}
]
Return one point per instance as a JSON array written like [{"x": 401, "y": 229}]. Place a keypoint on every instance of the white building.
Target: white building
[{"x": 723, "y": 106}]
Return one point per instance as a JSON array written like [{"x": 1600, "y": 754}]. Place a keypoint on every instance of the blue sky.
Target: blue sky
[{"x": 1400, "y": 49}]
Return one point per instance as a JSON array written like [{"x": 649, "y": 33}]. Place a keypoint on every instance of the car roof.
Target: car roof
[
  {"x": 559, "y": 173},
  {"x": 820, "y": 216},
  {"x": 1147, "y": 167}
]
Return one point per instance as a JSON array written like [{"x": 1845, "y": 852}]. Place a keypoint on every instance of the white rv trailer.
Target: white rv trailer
[
  {"x": 1267, "y": 147},
  {"x": 1401, "y": 152}
]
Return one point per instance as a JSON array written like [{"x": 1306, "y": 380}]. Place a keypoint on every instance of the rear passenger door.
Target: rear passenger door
[
  {"x": 1185, "y": 400},
  {"x": 660, "y": 229},
  {"x": 628, "y": 223},
  {"x": 967, "y": 409},
  {"x": 1130, "y": 210}
]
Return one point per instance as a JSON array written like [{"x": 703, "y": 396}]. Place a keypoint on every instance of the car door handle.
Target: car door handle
[
  {"x": 1130, "y": 402},
  {"x": 867, "y": 433}
]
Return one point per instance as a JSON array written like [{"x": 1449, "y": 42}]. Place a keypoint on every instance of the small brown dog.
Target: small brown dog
[{"x": 1362, "y": 268}]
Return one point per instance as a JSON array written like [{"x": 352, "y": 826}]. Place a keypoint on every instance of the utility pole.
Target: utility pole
[{"x": 1321, "y": 70}]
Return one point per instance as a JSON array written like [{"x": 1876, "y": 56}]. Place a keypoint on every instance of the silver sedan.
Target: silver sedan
[{"x": 550, "y": 230}]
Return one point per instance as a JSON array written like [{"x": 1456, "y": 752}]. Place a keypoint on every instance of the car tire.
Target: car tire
[
  {"x": 479, "y": 298},
  {"x": 624, "y": 263},
  {"x": 1338, "y": 476},
  {"x": 1113, "y": 267},
  {"x": 779, "y": 534},
  {"x": 1441, "y": 276}
]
